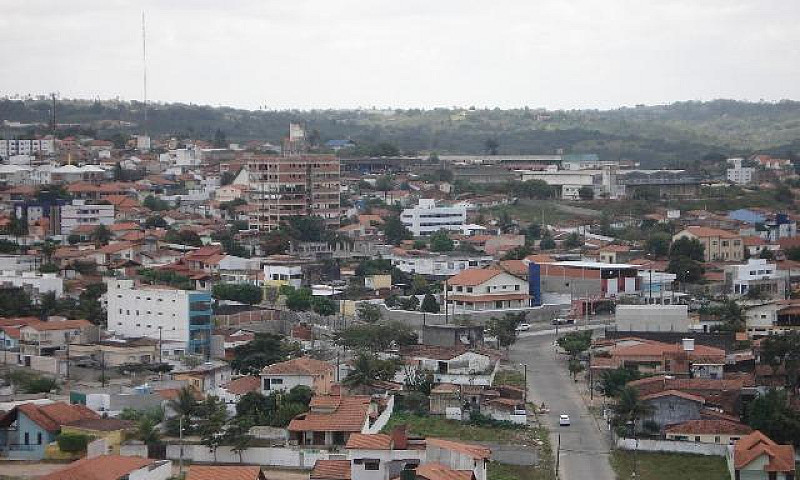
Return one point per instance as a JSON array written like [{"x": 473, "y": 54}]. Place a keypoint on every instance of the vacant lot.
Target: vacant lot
[{"x": 669, "y": 466}]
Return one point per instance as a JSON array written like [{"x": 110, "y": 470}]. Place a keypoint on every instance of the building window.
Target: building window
[
  {"x": 39, "y": 438},
  {"x": 27, "y": 438},
  {"x": 370, "y": 464}
]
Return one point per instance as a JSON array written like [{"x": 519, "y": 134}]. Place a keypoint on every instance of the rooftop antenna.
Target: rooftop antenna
[{"x": 144, "y": 70}]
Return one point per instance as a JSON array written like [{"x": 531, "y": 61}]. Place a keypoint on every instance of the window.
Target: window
[
  {"x": 370, "y": 464},
  {"x": 39, "y": 438},
  {"x": 27, "y": 438},
  {"x": 716, "y": 439}
]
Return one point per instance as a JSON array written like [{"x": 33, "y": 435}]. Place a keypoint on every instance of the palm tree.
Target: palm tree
[
  {"x": 213, "y": 414},
  {"x": 185, "y": 404},
  {"x": 147, "y": 431},
  {"x": 368, "y": 368},
  {"x": 48, "y": 249},
  {"x": 629, "y": 407},
  {"x": 237, "y": 435}
]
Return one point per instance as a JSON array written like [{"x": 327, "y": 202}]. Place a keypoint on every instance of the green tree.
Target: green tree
[
  {"x": 259, "y": 408},
  {"x": 685, "y": 269},
  {"x": 783, "y": 194},
  {"x": 441, "y": 242},
  {"x": 395, "y": 231},
  {"x": 376, "y": 337},
  {"x": 771, "y": 414},
  {"x": 155, "y": 221},
  {"x": 629, "y": 407},
  {"x": 429, "y": 304},
  {"x": 783, "y": 351},
  {"x": 547, "y": 242},
  {"x": 155, "y": 204},
  {"x": 575, "y": 343},
  {"x": 184, "y": 237},
  {"x": 658, "y": 244},
  {"x": 517, "y": 253},
  {"x": 237, "y": 435},
  {"x": 220, "y": 139},
  {"x": 299, "y": 300},
  {"x": 101, "y": 235},
  {"x": 265, "y": 349},
  {"x": 687, "y": 247},
  {"x": 575, "y": 367},
  {"x": 613, "y": 381},
  {"x": 147, "y": 431},
  {"x": 238, "y": 292},
  {"x": 410, "y": 303},
  {"x": 368, "y": 368},
  {"x": 368, "y": 312},
  {"x": 324, "y": 306},
  {"x": 505, "y": 328},
  {"x": 185, "y": 404},
  {"x": 212, "y": 416},
  {"x": 492, "y": 146},
  {"x": 573, "y": 240}
]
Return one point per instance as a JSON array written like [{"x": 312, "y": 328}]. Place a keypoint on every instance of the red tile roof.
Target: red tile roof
[
  {"x": 437, "y": 471},
  {"x": 753, "y": 446},
  {"x": 331, "y": 470},
  {"x": 348, "y": 414},
  {"x": 474, "y": 276},
  {"x": 703, "y": 232},
  {"x": 218, "y": 472},
  {"x": 709, "y": 427},
  {"x": 244, "y": 385},
  {"x": 299, "y": 366},
  {"x": 50, "y": 417},
  {"x": 475, "y": 451},
  {"x": 378, "y": 441},
  {"x": 104, "y": 467}
]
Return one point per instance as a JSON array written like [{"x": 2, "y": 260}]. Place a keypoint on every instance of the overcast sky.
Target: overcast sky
[{"x": 405, "y": 53}]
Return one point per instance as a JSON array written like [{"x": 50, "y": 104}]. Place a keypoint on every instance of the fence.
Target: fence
[
  {"x": 272, "y": 456},
  {"x": 51, "y": 365},
  {"x": 673, "y": 446}
]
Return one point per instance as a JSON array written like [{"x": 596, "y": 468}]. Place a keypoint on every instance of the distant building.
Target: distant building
[
  {"x": 436, "y": 264},
  {"x": 9, "y": 148},
  {"x": 428, "y": 218},
  {"x": 757, "y": 277},
  {"x": 286, "y": 186},
  {"x": 652, "y": 318},
  {"x": 757, "y": 457},
  {"x": 719, "y": 245},
  {"x": 314, "y": 374},
  {"x": 80, "y": 213},
  {"x": 486, "y": 289},
  {"x": 739, "y": 174}
]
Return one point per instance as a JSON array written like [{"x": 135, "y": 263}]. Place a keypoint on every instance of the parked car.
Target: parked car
[
  {"x": 563, "y": 321},
  {"x": 563, "y": 420},
  {"x": 523, "y": 327}
]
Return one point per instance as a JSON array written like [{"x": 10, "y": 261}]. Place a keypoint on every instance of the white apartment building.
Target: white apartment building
[
  {"x": 182, "y": 157},
  {"x": 278, "y": 275},
  {"x": 426, "y": 218},
  {"x": 36, "y": 284},
  {"x": 81, "y": 213},
  {"x": 161, "y": 313},
  {"x": 756, "y": 274},
  {"x": 738, "y": 174},
  {"x": 603, "y": 182},
  {"x": 437, "y": 264},
  {"x": 9, "y": 148}
]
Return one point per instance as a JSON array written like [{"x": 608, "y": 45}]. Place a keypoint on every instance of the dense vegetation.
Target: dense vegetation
[{"x": 656, "y": 135}]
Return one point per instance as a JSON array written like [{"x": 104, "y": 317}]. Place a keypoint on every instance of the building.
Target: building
[
  {"x": 80, "y": 213},
  {"x": 670, "y": 407},
  {"x": 207, "y": 377},
  {"x": 458, "y": 456},
  {"x": 486, "y": 289},
  {"x": 383, "y": 456},
  {"x": 114, "y": 467},
  {"x": 458, "y": 365},
  {"x": 10, "y": 148},
  {"x": 432, "y": 264},
  {"x": 719, "y": 245},
  {"x": 582, "y": 279},
  {"x": 36, "y": 284},
  {"x": 27, "y": 429},
  {"x": 427, "y": 218},
  {"x": 286, "y": 186},
  {"x": 650, "y": 356},
  {"x": 306, "y": 371},
  {"x": 601, "y": 182},
  {"x": 161, "y": 313},
  {"x": 720, "y": 432},
  {"x": 279, "y": 274},
  {"x": 739, "y": 174},
  {"x": 758, "y": 457},
  {"x": 45, "y": 338},
  {"x": 453, "y": 335},
  {"x": 333, "y": 418},
  {"x": 652, "y": 318},
  {"x": 755, "y": 279}
]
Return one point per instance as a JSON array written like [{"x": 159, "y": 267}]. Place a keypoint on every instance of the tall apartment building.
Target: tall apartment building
[
  {"x": 161, "y": 313},
  {"x": 291, "y": 185},
  {"x": 9, "y": 148},
  {"x": 80, "y": 213}
]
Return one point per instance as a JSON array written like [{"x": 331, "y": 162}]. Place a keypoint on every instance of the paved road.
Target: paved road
[{"x": 584, "y": 451}]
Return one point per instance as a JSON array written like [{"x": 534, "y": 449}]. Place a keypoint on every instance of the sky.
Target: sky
[{"x": 555, "y": 54}]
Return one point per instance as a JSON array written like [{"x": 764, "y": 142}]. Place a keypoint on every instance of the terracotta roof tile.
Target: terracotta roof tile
[
  {"x": 218, "y": 472},
  {"x": 674, "y": 393},
  {"x": 299, "y": 366},
  {"x": 474, "y": 276},
  {"x": 702, "y": 232},
  {"x": 104, "y": 467},
  {"x": 347, "y": 414},
  {"x": 244, "y": 385},
  {"x": 710, "y": 427},
  {"x": 331, "y": 470},
  {"x": 52, "y": 416},
  {"x": 753, "y": 446},
  {"x": 437, "y": 471},
  {"x": 378, "y": 441}
]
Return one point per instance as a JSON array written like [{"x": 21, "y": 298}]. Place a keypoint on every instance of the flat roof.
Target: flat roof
[{"x": 597, "y": 265}]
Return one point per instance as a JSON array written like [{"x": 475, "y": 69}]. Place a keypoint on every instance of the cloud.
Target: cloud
[{"x": 350, "y": 53}]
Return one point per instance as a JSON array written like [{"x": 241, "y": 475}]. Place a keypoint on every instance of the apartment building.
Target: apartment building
[
  {"x": 756, "y": 278},
  {"x": 292, "y": 185},
  {"x": 428, "y": 218},
  {"x": 486, "y": 289},
  {"x": 720, "y": 245},
  {"x": 9, "y": 148},
  {"x": 738, "y": 173},
  {"x": 80, "y": 213},
  {"x": 162, "y": 313}
]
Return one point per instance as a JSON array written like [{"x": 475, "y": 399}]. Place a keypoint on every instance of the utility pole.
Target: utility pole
[
  {"x": 160, "y": 329},
  {"x": 558, "y": 456},
  {"x": 102, "y": 368},
  {"x": 180, "y": 439}
]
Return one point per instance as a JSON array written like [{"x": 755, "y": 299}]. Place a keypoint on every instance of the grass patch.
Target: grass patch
[
  {"x": 510, "y": 377},
  {"x": 669, "y": 466},
  {"x": 544, "y": 471},
  {"x": 435, "y": 426}
]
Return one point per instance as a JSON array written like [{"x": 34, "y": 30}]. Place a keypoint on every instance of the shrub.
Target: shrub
[{"x": 73, "y": 442}]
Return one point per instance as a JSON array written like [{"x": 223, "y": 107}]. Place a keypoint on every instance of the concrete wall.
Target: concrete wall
[
  {"x": 271, "y": 456},
  {"x": 415, "y": 319},
  {"x": 669, "y": 410},
  {"x": 161, "y": 471},
  {"x": 383, "y": 418},
  {"x": 51, "y": 365},
  {"x": 672, "y": 446},
  {"x": 654, "y": 318}
]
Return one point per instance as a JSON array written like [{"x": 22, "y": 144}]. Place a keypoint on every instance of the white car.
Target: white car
[
  {"x": 563, "y": 420},
  {"x": 523, "y": 327}
]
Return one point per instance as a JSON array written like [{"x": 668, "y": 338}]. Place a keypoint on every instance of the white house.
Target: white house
[
  {"x": 436, "y": 264},
  {"x": 455, "y": 365},
  {"x": 314, "y": 374},
  {"x": 37, "y": 283},
  {"x": 81, "y": 213},
  {"x": 486, "y": 289},
  {"x": 757, "y": 275},
  {"x": 427, "y": 218}
]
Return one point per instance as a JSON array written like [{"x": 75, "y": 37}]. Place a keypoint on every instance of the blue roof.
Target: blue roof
[{"x": 747, "y": 216}]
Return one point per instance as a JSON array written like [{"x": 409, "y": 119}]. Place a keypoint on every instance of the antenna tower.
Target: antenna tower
[{"x": 144, "y": 71}]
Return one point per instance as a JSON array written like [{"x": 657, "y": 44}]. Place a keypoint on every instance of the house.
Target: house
[
  {"x": 672, "y": 406},
  {"x": 112, "y": 430},
  {"x": 331, "y": 470},
  {"x": 486, "y": 289},
  {"x": 113, "y": 467},
  {"x": 333, "y": 418},
  {"x": 720, "y": 395},
  {"x": 457, "y": 456},
  {"x": 115, "y": 352},
  {"x": 719, "y": 245},
  {"x": 650, "y": 356},
  {"x": 720, "y": 432},
  {"x": 452, "y": 335},
  {"x": 27, "y": 429},
  {"x": 459, "y": 365},
  {"x": 383, "y": 456},
  {"x": 314, "y": 374},
  {"x": 755, "y": 279},
  {"x": 234, "y": 390},
  {"x": 206, "y": 377},
  {"x": 44, "y": 338},
  {"x": 756, "y": 456},
  {"x": 228, "y": 472}
]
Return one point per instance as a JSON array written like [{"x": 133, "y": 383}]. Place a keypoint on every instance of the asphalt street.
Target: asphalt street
[{"x": 584, "y": 449}]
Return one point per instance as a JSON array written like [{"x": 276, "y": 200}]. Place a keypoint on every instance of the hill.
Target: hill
[{"x": 654, "y": 135}]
